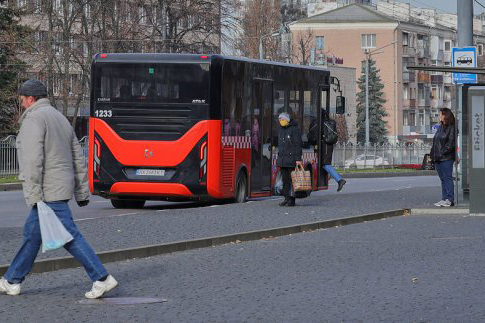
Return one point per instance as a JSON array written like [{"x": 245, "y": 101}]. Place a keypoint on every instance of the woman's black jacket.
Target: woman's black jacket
[
  {"x": 444, "y": 144},
  {"x": 289, "y": 145}
]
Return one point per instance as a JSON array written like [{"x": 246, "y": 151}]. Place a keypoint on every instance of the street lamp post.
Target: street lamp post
[
  {"x": 366, "y": 98},
  {"x": 273, "y": 33}
]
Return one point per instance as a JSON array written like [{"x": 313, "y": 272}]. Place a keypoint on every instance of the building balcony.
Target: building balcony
[
  {"x": 424, "y": 102},
  {"x": 437, "y": 79},
  {"x": 436, "y": 103},
  {"x": 408, "y": 77},
  {"x": 423, "y": 77},
  {"x": 408, "y": 51},
  {"x": 409, "y": 103}
]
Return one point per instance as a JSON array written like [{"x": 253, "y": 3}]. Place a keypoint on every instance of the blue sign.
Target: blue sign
[
  {"x": 434, "y": 128},
  {"x": 464, "y": 57}
]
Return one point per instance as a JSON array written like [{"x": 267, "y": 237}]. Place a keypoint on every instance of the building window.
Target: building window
[
  {"x": 409, "y": 118},
  {"x": 320, "y": 42},
  {"x": 480, "y": 49},
  {"x": 368, "y": 41},
  {"x": 405, "y": 39},
  {"x": 447, "y": 45}
]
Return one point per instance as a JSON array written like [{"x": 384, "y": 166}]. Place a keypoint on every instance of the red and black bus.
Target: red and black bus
[{"x": 197, "y": 127}]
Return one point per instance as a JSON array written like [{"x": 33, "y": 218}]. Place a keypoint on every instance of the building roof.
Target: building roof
[{"x": 351, "y": 13}]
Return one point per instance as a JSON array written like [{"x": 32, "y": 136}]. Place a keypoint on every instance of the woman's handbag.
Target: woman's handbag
[
  {"x": 54, "y": 234},
  {"x": 301, "y": 179}
]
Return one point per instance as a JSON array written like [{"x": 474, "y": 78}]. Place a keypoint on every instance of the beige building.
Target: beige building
[{"x": 396, "y": 37}]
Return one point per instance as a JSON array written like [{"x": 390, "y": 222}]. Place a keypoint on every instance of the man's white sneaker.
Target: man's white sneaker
[
  {"x": 440, "y": 203},
  {"x": 447, "y": 203},
  {"x": 101, "y": 287},
  {"x": 9, "y": 289}
]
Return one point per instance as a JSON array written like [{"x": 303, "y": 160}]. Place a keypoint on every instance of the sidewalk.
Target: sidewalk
[{"x": 411, "y": 268}]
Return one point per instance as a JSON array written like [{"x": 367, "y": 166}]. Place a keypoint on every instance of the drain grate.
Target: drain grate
[{"x": 122, "y": 301}]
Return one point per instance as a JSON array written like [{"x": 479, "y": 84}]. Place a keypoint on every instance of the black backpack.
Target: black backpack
[{"x": 330, "y": 135}]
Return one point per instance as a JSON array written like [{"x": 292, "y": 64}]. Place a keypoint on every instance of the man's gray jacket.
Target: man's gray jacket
[{"x": 50, "y": 157}]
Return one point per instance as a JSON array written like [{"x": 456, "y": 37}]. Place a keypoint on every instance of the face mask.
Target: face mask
[{"x": 284, "y": 122}]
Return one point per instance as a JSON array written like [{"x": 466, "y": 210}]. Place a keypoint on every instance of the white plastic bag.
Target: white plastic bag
[
  {"x": 278, "y": 185},
  {"x": 54, "y": 234}
]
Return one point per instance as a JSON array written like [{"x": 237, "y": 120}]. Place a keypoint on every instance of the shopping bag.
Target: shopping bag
[
  {"x": 301, "y": 179},
  {"x": 54, "y": 234},
  {"x": 278, "y": 185}
]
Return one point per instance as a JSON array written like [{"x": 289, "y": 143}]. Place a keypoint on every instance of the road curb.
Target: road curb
[
  {"x": 54, "y": 264},
  {"x": 390, "y": 174},
  {"x": 10, "y": 187},
  {"x": 441, "y": 211}
]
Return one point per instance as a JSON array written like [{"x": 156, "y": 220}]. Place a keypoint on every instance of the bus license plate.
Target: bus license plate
[{"x": 150, "y": 172}]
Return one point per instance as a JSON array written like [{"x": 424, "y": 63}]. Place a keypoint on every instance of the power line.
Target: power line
[{"x": 481, "y": 5}]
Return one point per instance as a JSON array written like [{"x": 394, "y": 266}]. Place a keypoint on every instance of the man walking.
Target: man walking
[{"x": 52, "y": 170}]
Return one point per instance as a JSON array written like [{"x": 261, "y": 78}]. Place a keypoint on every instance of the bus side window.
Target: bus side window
[
  {"x": 295, "y": 106},
  {"x": 309, "y": 128}
]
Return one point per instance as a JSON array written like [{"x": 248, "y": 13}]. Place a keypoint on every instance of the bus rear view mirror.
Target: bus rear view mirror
[{"x": 340, "y": 105}]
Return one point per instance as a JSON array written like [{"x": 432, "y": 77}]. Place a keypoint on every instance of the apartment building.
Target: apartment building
[{"x": 397, "y": 35}]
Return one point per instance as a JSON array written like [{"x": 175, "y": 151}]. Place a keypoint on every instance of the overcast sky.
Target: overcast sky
[{"x": 444, "y": 5}]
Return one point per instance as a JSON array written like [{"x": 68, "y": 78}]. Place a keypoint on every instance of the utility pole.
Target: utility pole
[
  {"x": 366, "y": 98},
  {"x": 465, "y": 39}
]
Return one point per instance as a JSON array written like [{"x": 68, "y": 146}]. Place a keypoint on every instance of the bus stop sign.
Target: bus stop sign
[{"x": 464, "y": 57}]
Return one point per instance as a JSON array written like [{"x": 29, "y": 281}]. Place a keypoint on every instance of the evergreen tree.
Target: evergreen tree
[
  {"x": 11, "y": 68},
  {"x": 377, "y": 124}
]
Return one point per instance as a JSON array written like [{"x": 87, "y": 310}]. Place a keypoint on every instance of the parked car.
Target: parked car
[{"x": 366, "y": 161}]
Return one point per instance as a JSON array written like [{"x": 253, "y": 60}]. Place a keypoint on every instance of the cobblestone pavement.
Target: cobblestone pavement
[
  {"x": 406, "y": 269},
  {"x": 157, "y": 224}
]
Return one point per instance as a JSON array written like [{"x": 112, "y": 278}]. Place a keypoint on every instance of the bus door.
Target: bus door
[
  {"x": 262, "y": 106},
  {"x": 323, "y": 105}
]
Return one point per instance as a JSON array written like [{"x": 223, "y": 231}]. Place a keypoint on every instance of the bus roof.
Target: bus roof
[{"x": 186, "y": 58}]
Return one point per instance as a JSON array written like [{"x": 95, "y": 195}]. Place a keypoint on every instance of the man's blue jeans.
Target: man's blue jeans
[
  {"x": 330, "y": 170},
  {"x": 78, "y": 247},
  {"x": 445, "y": 172}
]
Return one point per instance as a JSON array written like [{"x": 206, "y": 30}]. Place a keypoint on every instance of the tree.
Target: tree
[
  {"x": 261, "y": 19},
  {"x": 304, "y": 41},
  {"x": 291, "y": 12},
  {"x": 377, "y": 124},
  {"x": 11, "y": 68},
  {"x": 342, "y": 130}
]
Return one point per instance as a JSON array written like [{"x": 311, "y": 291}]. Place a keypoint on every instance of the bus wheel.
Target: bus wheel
[
  {"x": 241, "y": 189},
  {"x": 128, "y": 204}
]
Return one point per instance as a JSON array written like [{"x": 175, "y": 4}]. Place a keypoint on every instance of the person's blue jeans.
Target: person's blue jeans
[
  {"x": 445, "y": 172},
  {"x": 78, "y": 247},
  {"x": 329, "y": 169}
]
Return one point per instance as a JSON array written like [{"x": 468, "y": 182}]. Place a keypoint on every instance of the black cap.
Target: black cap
[{"x": 33, "y": 88}]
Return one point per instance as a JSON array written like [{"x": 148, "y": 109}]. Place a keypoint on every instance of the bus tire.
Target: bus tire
[
  {"x": 128, "y": 204},
  {"x": 241, "y": 192}
]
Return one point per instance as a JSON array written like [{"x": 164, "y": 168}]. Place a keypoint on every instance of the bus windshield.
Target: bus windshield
[{"x": 151, "y": 83}]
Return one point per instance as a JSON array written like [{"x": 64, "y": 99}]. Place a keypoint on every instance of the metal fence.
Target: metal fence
[
  {"x": 374, "y": 156},
  {"x": 344, "y": 155},
  {"x": 8, "y": 155}
]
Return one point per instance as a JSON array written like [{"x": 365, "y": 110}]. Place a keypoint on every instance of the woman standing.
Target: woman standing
[
  {"x": 289, "y": 154},
  {"x": 443, "y": 154}
]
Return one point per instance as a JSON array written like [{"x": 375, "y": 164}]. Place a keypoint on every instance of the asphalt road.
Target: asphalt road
[
  {"x": 110, "y": 229},
  {"x": 406, "y": 269},
  {"x": 14, "y": 211}
]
